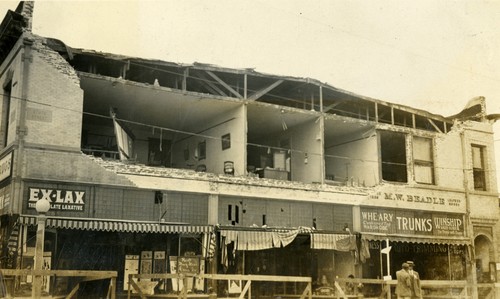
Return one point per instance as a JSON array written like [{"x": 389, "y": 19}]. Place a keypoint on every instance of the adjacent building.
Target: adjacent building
[{"x": 152, "y": 166}]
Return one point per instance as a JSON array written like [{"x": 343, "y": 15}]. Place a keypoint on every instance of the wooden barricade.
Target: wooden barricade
[
  {"x": 86, "y": 275},
  {"x": 246, "y": 290},
  {"x": 431, "y": 289}
]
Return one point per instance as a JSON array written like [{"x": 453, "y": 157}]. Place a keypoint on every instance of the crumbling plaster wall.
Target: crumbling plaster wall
[
  {"x": 307, "y": 153},
  {"x": 55, "y": 100},
  {"x": 448, "y": 160},
  {"x": 233, "y": 123},
  {"x": 354, "y": 160}
]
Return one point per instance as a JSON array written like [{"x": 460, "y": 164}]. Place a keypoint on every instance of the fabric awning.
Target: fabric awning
[
  {"x": 452, "y": 240},
  {"x": 252, "y": 239},
  {"x": 118, "y": 226},
  {"x": 339, "y": 242},
  {"x": 257, "y": 239}
]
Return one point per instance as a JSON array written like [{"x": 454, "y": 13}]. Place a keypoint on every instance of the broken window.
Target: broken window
[
  {"x": 423, "y": 160},
  {"x": 393, "y": 154},
  {"x": 478, "y": 167}
]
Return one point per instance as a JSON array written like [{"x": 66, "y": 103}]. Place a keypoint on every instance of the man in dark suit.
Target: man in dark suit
[
  {"x": 403, "y": 287},
  {"x": 416, "y": 290}
]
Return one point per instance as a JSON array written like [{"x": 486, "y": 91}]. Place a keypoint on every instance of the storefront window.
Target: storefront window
[{"x": 432, "y": 261}]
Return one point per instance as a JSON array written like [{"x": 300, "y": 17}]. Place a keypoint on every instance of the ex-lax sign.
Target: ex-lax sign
[{"x": 60, "y": 199}]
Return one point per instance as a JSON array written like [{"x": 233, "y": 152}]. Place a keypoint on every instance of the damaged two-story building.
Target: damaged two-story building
[{"x": 145, "y": 162}]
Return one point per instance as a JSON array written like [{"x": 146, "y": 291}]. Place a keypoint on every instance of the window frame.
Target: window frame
[
  {"x": 391, "y": 165},
  {"x": 424, "y": 163},
  {"x": 479, "y": 178}
]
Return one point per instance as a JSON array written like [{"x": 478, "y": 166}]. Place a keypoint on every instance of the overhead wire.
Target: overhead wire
[{"x": 263, "y": 146}]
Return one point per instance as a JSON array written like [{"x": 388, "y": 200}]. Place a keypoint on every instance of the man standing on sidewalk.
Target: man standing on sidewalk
[
  {"x": 416, "y": 290},
  {"x": 403, "y": 287}
]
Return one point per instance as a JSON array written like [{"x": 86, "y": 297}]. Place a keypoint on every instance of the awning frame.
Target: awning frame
[
  {"x": 451, "y": 240},
  {"x": 95, "y": 224}
]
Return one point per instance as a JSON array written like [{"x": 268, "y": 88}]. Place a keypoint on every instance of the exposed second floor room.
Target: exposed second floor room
[{"x": 241, "y": 123}]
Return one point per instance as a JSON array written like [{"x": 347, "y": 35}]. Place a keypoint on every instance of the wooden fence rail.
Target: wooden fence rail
[
  {"x": 431, "y": 289},
  {"x": 305, "y": 293},
  {"x": 86, "y": 275}
]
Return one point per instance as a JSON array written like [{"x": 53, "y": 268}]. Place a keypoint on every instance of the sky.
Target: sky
[{"x": 427, "y": 54}]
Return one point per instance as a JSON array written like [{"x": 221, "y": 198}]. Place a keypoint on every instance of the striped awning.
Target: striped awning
[
  {"x": 452, "y": 240},
  {"x": 252, "y": 239},
  {"x": 118, "y": 226},
  {"x": 339, "y": 242}
]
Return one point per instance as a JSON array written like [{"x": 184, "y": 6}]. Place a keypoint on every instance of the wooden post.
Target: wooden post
[
  {"x": 73, "y": 291},
  {"x": 113, "y": 288},
  {"x": 128, "y": 289}
]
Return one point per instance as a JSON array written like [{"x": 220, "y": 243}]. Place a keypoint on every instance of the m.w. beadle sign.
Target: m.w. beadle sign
[
  {"x": 60, "y": 199},
  {"x": 422, "y": 199}
]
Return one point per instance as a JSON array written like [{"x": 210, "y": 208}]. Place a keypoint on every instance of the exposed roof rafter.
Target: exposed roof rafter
[
  {"x": 434, "y": 125},
  {"x": 210, "y": 85},
  {"x": 265, "y": 90},
  {"x": 237, "y": 94}
]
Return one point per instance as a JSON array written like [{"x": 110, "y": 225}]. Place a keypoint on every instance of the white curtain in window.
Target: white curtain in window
[
  {"x": 422, "y": 149},
  {"x": 423, "y": 174}
]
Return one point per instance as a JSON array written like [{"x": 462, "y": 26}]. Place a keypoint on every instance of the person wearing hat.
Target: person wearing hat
[
  {"x": 416, "y": 290},
  {"x": 403, "y": 286}
]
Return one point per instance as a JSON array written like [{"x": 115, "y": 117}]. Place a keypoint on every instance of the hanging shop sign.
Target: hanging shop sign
[
  {"x": 4, "y": 198},
  {"x": 60, "y": 199},
  {"x": 392, "y": 196},
  {"x": 6, "y": 166},
  {"x": 392, "y": 221}
]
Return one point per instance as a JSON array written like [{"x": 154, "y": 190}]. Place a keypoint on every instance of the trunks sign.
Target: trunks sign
[
  {"x": 392, "y": 221},
  {"x": 60, "y": 199}
]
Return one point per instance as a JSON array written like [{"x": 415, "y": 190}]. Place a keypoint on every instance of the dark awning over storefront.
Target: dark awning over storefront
[
  {"x": 117, "y": 225},
  {"x": 418, "y": 239}
]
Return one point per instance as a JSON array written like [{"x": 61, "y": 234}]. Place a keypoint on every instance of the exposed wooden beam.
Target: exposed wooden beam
[
  {"x": 219, "y": 80},
  {"x": 330, "y": 107},
  {"x": 184, "y": 79},
  {"x": 265, "y": 90},
  {"x": 245, "y": 86},
  {"x": 434, "y": 125},
  {"x": 209, "y": 84},
  {"x": 321, "y": 98},
  {"x": 392, "y": 115}
]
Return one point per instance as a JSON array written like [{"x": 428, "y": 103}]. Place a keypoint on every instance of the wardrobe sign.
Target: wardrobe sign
[{"x": 60, "y": 199}]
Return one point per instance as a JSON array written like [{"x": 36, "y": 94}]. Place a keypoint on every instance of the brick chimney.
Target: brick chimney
[{"x": 25, "y": 8}]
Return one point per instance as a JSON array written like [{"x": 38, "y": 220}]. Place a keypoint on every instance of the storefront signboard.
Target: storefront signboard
[
  {"x": 4, "y": 198},
  {"x": 60, "y": 199},
  {"x": 416, "y": 198},
  {"x": 6, "y": 166},
  {"x": 393, "y": 221}
]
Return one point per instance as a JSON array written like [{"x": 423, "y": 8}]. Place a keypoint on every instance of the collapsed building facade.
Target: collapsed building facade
[{"x": 147, "y": 161}]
